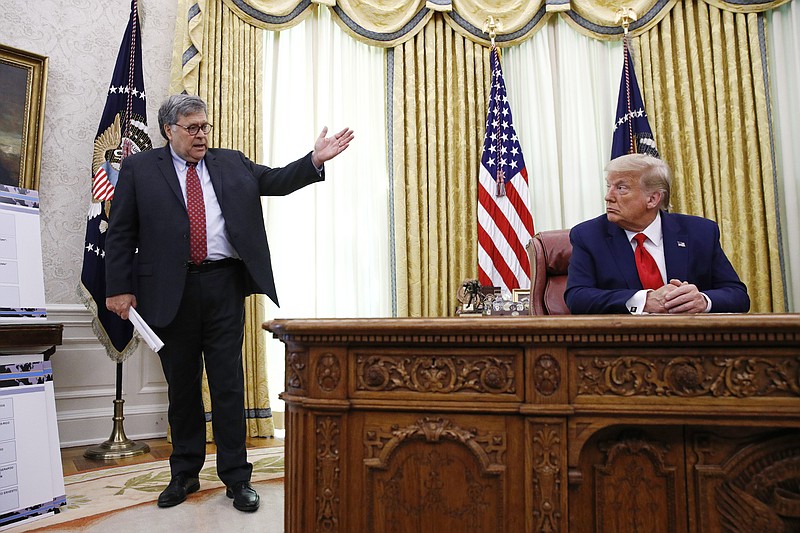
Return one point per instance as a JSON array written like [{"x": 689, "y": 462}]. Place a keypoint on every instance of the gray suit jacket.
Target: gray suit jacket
[{"x": 149, "y": 213}]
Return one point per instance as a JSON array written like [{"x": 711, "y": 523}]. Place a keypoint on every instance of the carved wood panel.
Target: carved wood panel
[
  {"x": 328, "y": 469},
  {"x": 296, "y": 491},
  {"x": 296, "y": 371},
  {"x": 735, "y": 376},
  {"x": 548, "y": 375},
  {"x": 443, "y": 373},
  {"x": 434, "y": 475},
  {"x": 632, "y": 480},
  {"x": 546, "y": 440},
  {"x": 329, "y": 372},
  {"x": 745, "y": 481}
]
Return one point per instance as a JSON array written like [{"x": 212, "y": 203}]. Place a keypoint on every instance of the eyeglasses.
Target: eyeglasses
[{"x": 194, "y": 128}]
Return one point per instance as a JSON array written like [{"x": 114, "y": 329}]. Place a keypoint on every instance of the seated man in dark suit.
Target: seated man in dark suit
[{"x": 639, "y": 258}]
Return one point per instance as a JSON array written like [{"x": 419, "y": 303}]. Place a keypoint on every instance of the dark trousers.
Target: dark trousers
[{"x": 209, "y": 327}]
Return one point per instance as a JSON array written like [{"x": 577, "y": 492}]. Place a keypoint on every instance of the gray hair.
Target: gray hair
[
  {"x": 179, "y": 105},
  {"x": 654, "y": 174}
]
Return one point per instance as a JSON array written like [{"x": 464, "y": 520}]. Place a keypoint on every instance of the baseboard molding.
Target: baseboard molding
[
  {"x": 91, "y": 414},
  {"x": 92, "y": 426}
]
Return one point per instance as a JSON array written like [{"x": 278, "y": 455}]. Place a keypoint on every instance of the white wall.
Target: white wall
[{"x": 81, "y": 38}]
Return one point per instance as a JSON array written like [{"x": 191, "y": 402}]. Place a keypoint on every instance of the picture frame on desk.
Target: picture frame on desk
[
  {"x": 518, "y": 295},
  {"x": 23, "y": 85}
]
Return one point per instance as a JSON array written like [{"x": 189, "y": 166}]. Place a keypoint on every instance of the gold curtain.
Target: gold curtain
[
  {"x": 439, "y": 109},
  {"x": 703, "y": 82},
  {"x": 227, "y": 74},
  {"x": 389, "y": 23}
]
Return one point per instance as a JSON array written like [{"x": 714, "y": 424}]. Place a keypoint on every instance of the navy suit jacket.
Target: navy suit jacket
[
  {"x": 149, "y": 213},
  {"x": 602, "y": 272}
]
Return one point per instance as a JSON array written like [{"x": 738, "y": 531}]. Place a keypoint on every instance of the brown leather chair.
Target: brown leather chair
[{"x": 549, "y": 252}]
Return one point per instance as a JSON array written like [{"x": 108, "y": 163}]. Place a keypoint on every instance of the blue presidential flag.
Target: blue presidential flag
[
  {"x": 122, "y": 132},
  {"x": 632, "y": 134}
]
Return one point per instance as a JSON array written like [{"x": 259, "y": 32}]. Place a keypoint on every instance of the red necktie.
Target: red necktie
[
  {"x": 197, "y": 216},
  {"x": 646, "y": 265}
]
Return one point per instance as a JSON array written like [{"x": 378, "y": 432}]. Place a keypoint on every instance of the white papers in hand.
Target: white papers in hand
[{"x": 144, "y": 330}]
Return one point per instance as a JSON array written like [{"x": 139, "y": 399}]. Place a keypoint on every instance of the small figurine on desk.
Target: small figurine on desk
[{"x": 469, "y": 294}]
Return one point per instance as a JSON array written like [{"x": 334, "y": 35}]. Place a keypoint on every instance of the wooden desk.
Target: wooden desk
[
  {"x": 21, "y": 338},
  {"x": 601, "y": 423}
]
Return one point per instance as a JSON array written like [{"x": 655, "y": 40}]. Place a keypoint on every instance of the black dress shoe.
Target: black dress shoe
[
  {"x": 179, "y": 487},
  {"x": 245, "y": 498}
]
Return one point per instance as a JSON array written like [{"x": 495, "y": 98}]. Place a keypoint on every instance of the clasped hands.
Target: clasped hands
[
  {"x": 676, "y": 297},
  {"x": 326, "y": 148}
]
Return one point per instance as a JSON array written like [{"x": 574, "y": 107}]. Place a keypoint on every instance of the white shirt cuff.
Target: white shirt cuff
[
  {"x": 708, "y": 302},
  {"x": 636, "y": 302}
]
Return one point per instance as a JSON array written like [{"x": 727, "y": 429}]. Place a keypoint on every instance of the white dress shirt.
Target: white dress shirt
[
  {"x": 219, "y": 245},
  {"x": 655, "y": 245}
]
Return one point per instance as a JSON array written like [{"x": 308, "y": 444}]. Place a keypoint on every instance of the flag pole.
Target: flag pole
[
  {"x": 122, "y": 131},
  {"x": 631, "y": 133},
  {"x": 505, "y": 222},
  {"x": 118, "y": 445},
  {"x": 491, "y": 26},
  {"x": 625, "y": 16}
]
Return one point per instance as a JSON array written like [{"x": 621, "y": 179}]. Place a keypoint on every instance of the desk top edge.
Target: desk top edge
[{"x": 539, "y": 325}]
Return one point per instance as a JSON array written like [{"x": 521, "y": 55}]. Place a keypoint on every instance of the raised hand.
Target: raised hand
[{"x": 326, "y": 148}]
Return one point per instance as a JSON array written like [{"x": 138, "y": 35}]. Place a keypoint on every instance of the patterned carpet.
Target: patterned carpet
[{"x": 122, "y": 500}]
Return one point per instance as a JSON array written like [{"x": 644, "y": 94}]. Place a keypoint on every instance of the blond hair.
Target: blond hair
[{"x": 654, "y": 174}]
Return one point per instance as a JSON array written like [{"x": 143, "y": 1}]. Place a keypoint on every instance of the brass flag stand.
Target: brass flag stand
[{"x": 118, "y": 445}]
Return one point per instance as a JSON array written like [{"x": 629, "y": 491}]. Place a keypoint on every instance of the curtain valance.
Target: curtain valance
[{"x": 388, "y": 23}]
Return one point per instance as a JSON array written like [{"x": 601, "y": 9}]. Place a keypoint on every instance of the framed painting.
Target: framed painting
[{"x": 23, "y": 81}]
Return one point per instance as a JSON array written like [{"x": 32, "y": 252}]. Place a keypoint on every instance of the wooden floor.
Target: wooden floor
[{"x": 73, "y": 461}]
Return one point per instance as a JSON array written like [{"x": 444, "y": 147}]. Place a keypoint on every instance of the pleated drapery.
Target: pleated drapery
[
  {"x": 439, "y": 111},
  {"x": 226, "y": 71},
  {"x": 783, "y": 33},
  {"x": 389, "y": 23},
  {"x": 705, "y": 90}
]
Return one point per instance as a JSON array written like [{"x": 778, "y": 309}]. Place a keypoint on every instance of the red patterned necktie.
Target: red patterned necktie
[
  {"x": 646, "y": 265},
  {"x": 197, "y": 215}
]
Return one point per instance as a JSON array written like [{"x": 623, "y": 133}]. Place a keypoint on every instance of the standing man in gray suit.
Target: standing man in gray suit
[{"x": 186, "y": 244}]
